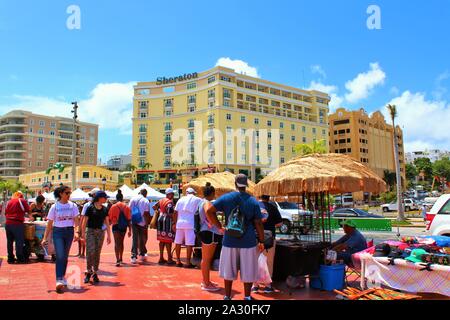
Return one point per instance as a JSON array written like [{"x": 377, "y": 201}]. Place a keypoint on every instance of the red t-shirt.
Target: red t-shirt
[{"x": 14, "y": 213}]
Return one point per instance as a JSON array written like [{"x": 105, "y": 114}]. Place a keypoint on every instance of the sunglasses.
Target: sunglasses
[{"x": 68, "y": 192}]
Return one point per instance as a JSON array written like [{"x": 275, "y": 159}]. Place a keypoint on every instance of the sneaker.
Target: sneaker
[
  {"x": 64, "y": 281},
  {"x": 88, "y": 277},
  {"x": 269, "y": 290},
  {"x": 171, "y": 263},
  {"x": 143, "y": 258},
  {"x": 209, "y": 288},
  {"x": 255, "y": 289},
  {"x": 248, "y": 298},
  {"x": 118, "y": 263},
  {"x": 11, "y": 261},
  {"x": 133, "y": 260},
  {"x": 95, "y": 278},
  {"x": 180, "y": 265},
  {"x": 226, "y": 298},
  {"x": 59, "y": 286},
  {"x": 162, "y": 261},
  {"x": 189, "y": 266}
]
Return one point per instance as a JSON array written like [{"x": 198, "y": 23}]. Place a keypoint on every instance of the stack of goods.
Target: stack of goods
[
  {"x": 424, "y": 249},
  {"x": 374, "y": 294}
]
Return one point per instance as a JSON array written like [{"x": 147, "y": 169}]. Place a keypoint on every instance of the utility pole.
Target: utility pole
[{"x": 74, "y": 145}]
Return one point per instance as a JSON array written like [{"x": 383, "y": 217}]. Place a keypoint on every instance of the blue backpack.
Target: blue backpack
[
  {"x": 136, "y": 216},
  {"x": 123, "y": 222}
]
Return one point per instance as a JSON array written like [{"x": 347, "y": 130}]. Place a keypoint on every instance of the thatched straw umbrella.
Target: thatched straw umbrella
[
  {"x": 223, "y": 182},
  {"x": 330, "y": 173}
]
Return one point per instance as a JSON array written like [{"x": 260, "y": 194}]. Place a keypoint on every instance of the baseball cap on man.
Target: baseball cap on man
[
  {"x": 241, "y": 180},
  {"x": 349, "y": 223},
  {"x": 93, "y": 192},
  {"x": 190, "y": 191},
  {"x": 169, "y": 190},
  {"x": 416, "y": 255}
]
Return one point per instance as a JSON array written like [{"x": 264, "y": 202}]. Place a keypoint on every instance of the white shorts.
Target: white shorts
[
  {"x": 185, "y": 236},
  {"x": 244, "y": 260}
]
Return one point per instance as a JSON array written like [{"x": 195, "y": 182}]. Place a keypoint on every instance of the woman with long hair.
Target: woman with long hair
[
  {"x": 38, "y": 208},
  {"x": 93, "y": 234},
  {"x": 62, "y": 219},
  {"x": 120, "y": 219},
  {"x": 210, "y": 236}
]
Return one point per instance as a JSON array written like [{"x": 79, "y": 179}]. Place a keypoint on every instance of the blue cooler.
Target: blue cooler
[{"x": 329, "y": 278}]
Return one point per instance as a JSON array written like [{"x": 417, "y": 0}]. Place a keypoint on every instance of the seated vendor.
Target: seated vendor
[
  {"x": 37, "y": 208},
  {"x": 352, "y": 242}
]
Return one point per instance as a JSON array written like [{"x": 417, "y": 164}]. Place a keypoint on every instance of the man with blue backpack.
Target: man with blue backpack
[
  {"x": 244, "y": 236},
  {"x": 140, "y": 218}
]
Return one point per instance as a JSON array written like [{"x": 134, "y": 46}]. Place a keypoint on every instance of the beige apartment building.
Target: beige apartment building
[
  {"x": 369, "y": 139},
  {"x": 30, "y": 142}
]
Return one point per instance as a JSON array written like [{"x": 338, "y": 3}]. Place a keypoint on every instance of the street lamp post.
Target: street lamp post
[
  {"x": 104, "y": 184},
  {"x": 74, "y": 145}
]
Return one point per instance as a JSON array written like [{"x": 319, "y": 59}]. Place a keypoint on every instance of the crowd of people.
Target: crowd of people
[{"x": 247, "y": 231}]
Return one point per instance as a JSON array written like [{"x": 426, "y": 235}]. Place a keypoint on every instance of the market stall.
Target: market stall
[
  {"x": 34, "y": 232},
  {"x": 312, "y": 179},
  {"x": 223, "y": 182},
  {"x": 415, "y": 264}
]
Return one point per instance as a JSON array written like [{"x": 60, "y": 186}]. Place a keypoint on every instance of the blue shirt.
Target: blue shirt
[
  {"x": 355, "y": 242},
  {"x": 249, "y": 206}
]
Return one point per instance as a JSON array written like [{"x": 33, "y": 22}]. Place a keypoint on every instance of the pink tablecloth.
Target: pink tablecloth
[{"x": 405, "y": 275}]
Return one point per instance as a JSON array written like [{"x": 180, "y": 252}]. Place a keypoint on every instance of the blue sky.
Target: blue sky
[{"x": 320, "y": 44}]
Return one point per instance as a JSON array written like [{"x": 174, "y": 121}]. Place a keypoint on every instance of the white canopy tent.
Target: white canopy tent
[
  {"x": 127, "y": 192},
  {"x": 50, "y": 197},
  {"x": 152, "y": 194},
  {"x": 79, "y": 195}
]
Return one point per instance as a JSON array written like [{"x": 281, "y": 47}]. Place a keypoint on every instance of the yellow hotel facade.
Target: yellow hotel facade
[{"x": 238, "y": 123}]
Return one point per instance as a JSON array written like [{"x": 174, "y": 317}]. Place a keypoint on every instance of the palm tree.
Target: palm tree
[
  {"x": 130, "y": 167},
  {"x": 393, "y": 113},
  {"x": 145, "y": 166},
  {"x": 318, "y": 146}
]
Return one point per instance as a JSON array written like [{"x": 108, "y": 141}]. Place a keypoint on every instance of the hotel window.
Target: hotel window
[
  {"x": 168, "y": 138},
  {"x": 167, "y": 150},
  {"x": 38, "y": 164},
  {"x": 226, "y": 103},
  {"x": 143, "y": 115},
  {"x": 256, "y": 121},
  {"x": 82, "y": 153},
  {"x": 229, "y": 142},
  {"x": 91, "y": 154},
  {"x": 226, "y": 93},
  {"x": 292, "y": 126},
  {"x": 142, "y": 152},
  {"x": 142, "y": 128},
  {"x": 53, "y": 125},
  {"x": 281, "y": 136},
  {"x": 168, "y": 103},
  {"x": 29, "y": 163},
  {"x": 191, "y": 123},
  {"x": 293, "y": 138},
  {"x": 92, "y": 130},
  {"x": 227, "y": 79},
  {"x": 282, "y": 160},
  {"x": 40, "y": 139},
  {"x": 41, "y": 131},
  {"x": 323, "y": 132},
  {"x": 269, "y": 135},
  {"x": 85, "y": 175},
  {"x": 211, "y": 119},
  {"x": 212, "y": 93},
  {"x": 42, "y": 123},
  {"x": 242, "y": 119},
  {"x": 167, "y": 163},
  {"x": 211, "y": 79},
  {"x": 303, "y": 129},
  {"x": 243, "y": 157},
  {"x": 281, "y": 125},
  {"x": 229, "y": 129},
  {"x": 191, "y": 85},
  {"x": 282, "y": 148},
  {"x": 31, "y": 130},
  {"x": 31, "y": 122},
  {"x": 143, "y": 104},
  {"x": 52, "y": 149},
  {"x": 168, "y": 113},
  {"x": 40, "y": 156},
  {"x": 228, "y": 116},
  {"x": 304, "y": 140},
  {"x": 269, "y": 123},
  {"x": 269, "y": 147},
  {"x": 242, "y": 131},
  {"x": 191, "y": 98},
  {"x": 52, "y": 133},
  {"x": 314, "y": 130},
  {"x": 91, "y": 146},
  {"x": 229, "y": 156},
  {"x": 142, "y": 139}
]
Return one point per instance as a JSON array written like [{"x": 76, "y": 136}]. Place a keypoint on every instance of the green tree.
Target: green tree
[
  {"x": 389, "y": 178},
  {"x": 424, "y": 165},
  {"x": 130, "y": 167},
  {"x": 392, "y": 108},
  {"x": 441, "y": 168},
  {"x": 146, "y": 165},
  {"x": 411, "y": 172},
  {"x": 318, "y": 146}
]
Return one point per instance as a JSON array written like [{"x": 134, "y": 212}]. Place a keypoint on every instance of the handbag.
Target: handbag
[
  {"x": 268, "y": 239},
  {"x": 154, "y": 221}
]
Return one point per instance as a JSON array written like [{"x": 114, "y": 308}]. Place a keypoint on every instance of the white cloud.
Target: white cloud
[
  {"x": 423, "y": 121},
  {"x": 394, "y": 91},
  {"x": 239, "y": 66},
  {"x": 362, "y": 86},
  {"x": 332, "y": 91},
  {"x": 440, "y": 90},
  {"x": 109, "y": 104},
  {"x": 317, "y": 69}
]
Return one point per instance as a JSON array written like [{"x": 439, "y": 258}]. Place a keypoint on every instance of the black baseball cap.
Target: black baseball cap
[{"x": 241, "y": 180}]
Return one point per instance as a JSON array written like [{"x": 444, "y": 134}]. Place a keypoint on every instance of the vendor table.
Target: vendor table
[
  {"x": 405, "y": 275},
  {"x": 295, "y": 258}
]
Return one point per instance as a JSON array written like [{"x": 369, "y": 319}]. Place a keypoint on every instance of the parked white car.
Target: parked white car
[
  {"x": 438, "y": 219},
  {"x": 408, "y": 204},
  {"x": 289, "y": 212}
]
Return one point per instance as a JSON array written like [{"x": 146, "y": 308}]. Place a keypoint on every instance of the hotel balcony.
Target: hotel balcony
[{"x": 12, "y": 141}]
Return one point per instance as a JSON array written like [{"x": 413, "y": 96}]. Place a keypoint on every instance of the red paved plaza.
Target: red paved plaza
[{"x": 143, "y": 281}]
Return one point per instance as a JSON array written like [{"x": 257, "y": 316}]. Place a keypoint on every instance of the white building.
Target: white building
[
  {"x": 118, "y": 162},
  {"x": 433, "y": 155}
]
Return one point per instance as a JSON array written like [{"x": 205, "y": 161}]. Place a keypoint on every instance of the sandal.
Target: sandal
[
  {"x": 180, "y": 265},
  {"x": 162, "y": 261},
  {"x": 171, "y": 263}
]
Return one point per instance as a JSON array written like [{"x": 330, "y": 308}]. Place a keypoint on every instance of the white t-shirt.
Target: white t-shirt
[
  {"x": 63, "y": 215},
  {"x": 187, "y": 207},
  {"x": 143, "y": 204}
]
